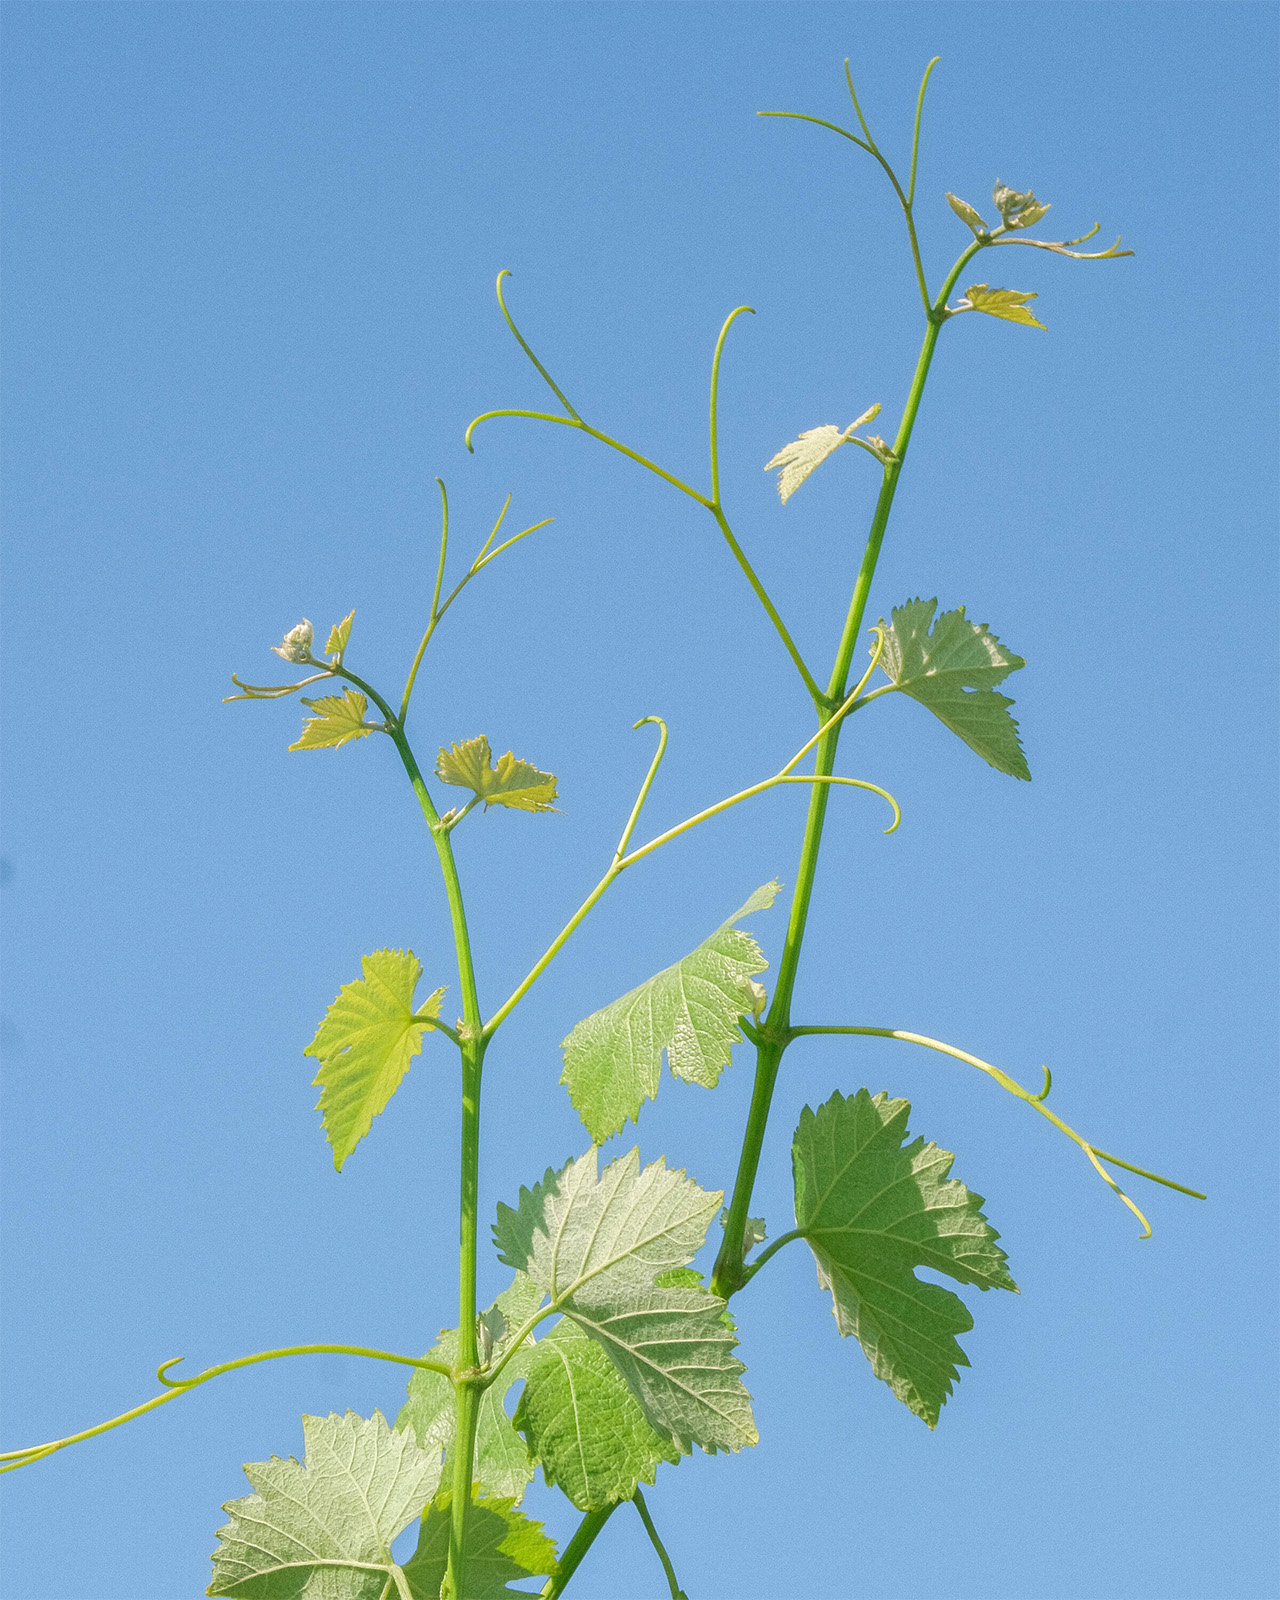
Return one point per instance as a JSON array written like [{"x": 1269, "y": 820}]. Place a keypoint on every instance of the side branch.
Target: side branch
[
  {"x": 13, "y": 1459},
  {"x": 1094, "y": 1154}
]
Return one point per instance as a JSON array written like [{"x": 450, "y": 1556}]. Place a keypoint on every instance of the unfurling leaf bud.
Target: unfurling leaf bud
[
  {"x": 296, "y": 644},
  {"x": 757, "y": 996},
  {"x": 967, "y": 214},
  {"x": 1019, "y": 210}
]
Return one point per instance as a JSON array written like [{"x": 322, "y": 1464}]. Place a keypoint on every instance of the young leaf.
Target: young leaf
[
  {"x": 324, "y": 1529},
  {"x": 503, "y": 1547},
  {"x": 368, "y": 1037},
  {"x": 338, "y": 636},
  {"x": 508, "y": 783},
  {"x": 967, "y": 214},
  {"x": 953, "y": 670},
  {"x": 798, "y": 459},
  {"x": 1009, "y": 304},
  {"x": 873, "y": 1208},
  {"x": 502, "y": 1466},
  {"x": 596, "y": 1244},
  {"x": 613, "y": 1059},
  {"x": 340, "y": 718},
  {"x": 583, "y": 1424},
  {"x": 1020, "y": 209}
]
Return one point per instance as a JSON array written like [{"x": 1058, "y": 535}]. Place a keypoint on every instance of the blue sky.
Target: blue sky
[{"x": 249, "y": 312}]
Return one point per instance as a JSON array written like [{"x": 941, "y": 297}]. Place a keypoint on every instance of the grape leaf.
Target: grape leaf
[
  {"x": 583, "y": 1424},
  {"x": 503, "y": 1547},
  {"x": 340, "y": 719},
  {"x": 872, "y": 1209},
  {"x": 798, "y": 459},
  {"x": 1019, "y": 208},
  {"x": 1009, "y": 304},
  {"x": 953, "y": 670},
  {"x": 323, "y": 1530},
  {"x": 507, "y": 783},
  {"x": 595, "y": 1244},
  {"x": 502, "y": 1465},
  {"x": 368, "y": 1037},
  {"x": 967, "y": 214},
  {"x": 338, "y": 636},
  {"x": 613, "y": 1058}
]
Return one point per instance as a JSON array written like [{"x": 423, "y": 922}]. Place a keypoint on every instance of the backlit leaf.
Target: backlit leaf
[
  {"x": 952, "y": 670},
  {"x": 338, "y": 718},
  {"x": 1008, "y": 304},
  {"x": 502, "y": 1465},
  {"x": 368, "y": 1037},
  {"x": 873, "y": 1208},
  {"x": 798, "y": 459},
  {"x": 338, "y": 636},
  {"x": 503, "y": 1547},
  {"x": 613, "y": 1058},
  {"x": 323, "y": 1530},
  {"x": 967, "y": 214},
  {"x": 507, "y": 782},
  {"x": 596, "y": 1244},
  {"x": 583, "y": 1424}
]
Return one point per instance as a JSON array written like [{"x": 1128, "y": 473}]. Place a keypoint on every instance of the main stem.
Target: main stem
[{"x": 727, "y": 1277}]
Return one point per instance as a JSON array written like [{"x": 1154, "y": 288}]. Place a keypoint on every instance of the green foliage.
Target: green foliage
[
  {"x": 596, "y": 1244},
  {"x": 953, "y": 669},
  {"x": 1018, "y": 209},
  {"x": 583, "y": 1424},
  {"x": 339, "y": 719},
  {"x": 967, "y": 214},
  {"x": 872, "y": 1209},
  {"x": 1008, "y": 304},
  {"x": 338, "y": 636},
  {"x": 323, "y": 1530},
  {"x": 368, "y": 1037},
  {"x": 503, "y": 1547},
  {"x": 507, "y": 783},
  {"x": 798, "y": 459},
  {"x": 502, "y": 1464},
  {"x": 613, "y": 1058}
]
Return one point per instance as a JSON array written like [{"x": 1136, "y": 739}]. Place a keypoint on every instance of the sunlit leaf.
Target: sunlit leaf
[
  {"x": 798, "y": 459},
  {"x": 368, "y": 1037},
  {"x": 338, "y": 636},
  {"x": 1008, "y": 304},
  {"x": 967, "y": 214},
  {"x": 583, "y": 1424},
  {"x": 873, "y": 1208},
  {"x": 507, "y": 782},
  {"x": 502, "y": 1545},
  {"x": 596, "y": 1244},
  {"x": 613, "y": 1058},
  {"x": 323, "y": 1530},
  {"x": 338, "y": 719},
  {"x": 952, "y": 670}
]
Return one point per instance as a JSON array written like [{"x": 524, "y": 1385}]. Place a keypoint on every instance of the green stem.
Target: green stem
[
  {"x": 574, "y": 1551},
  {"x": 637, "y": 1499},
  {"x": 727, "y": 1276}
]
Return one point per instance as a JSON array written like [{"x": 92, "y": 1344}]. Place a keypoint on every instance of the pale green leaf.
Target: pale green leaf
[
  {"x": 967, "y": 214},
  {"x": 368, "y": 1037},
  {"x": 507, "y": 782},
  {"x": 338, "y": 636},
  {"x": 503, "y": 1547},
  {"x": 339, "y": 719},
  {"x": 1019, "y": 208},
  {"x": 953, "y": 670},
  {"x": 595, "y": 1244},
  {"x": 873, "y": 1208},
  {"x": 798, "y": 459},
  {"x": 1008, "y": 304},
  {"x": 323, "y": 1530},
  {"x": 613, "y": 1059},
  {"x": 583, "y": 1424},
  {"x": 502, "y": 1465}
]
